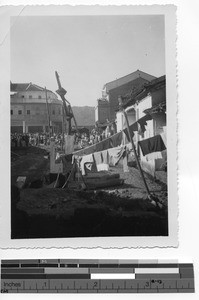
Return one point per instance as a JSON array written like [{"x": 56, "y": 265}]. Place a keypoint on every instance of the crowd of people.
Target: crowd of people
[
  {"x": 82, "y": 140},
  {"x": 95, "y": 136},
  {"x": 19, "y": 140}
]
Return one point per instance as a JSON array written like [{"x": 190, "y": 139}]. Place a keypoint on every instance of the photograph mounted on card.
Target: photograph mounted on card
[{"x": 91, "y": 117}]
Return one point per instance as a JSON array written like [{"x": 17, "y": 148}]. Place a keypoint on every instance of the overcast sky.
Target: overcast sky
[{"x": 87, "y": 51}]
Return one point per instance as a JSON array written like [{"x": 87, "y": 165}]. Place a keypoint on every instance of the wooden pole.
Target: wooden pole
[
  {"x": 73, "y": 116},
  {"x": 61, "y": 91},
  {"x": 48, "y": 114},
  {"x": 63, "y": 128},
  {"x": 133, "y": 146}
]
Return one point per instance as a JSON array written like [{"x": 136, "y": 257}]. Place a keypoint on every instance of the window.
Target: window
[
  {"x": 19, "y": 112},
  {"x": 39, "y": 97},
  {"x": 28, "y": 112},
  {"x": 11, "y": 111},
  {"x": 53, "y": 112},
  {"x": 30, "y": 96}
]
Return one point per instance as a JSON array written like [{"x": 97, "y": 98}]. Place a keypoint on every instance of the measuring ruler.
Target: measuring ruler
[{"x": 96, "y": 276}]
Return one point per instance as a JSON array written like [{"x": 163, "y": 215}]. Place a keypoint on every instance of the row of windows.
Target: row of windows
[
  {"x": 28, "y": 112},
  {"x": 20, "y": 112},
  {"x": 30, "y": 96}
]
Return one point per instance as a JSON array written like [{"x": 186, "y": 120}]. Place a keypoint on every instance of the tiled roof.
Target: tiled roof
[
  {"x": 34, "y": 87},
  {"x": 128, "y": 78},
  {"x": 23, "y": 87},
  {"x": 18, "y": 87}
]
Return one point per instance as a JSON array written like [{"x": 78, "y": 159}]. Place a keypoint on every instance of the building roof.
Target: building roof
[
  {"x": 158, "y": 82},
  {"x": 141, "y": 92},
  {"x": 128, "y": 78},
  {"x": 24, "y": 87},
  {"x": 18, "y": 87}
]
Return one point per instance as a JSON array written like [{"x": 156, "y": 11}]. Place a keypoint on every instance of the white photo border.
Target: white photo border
[{"x": 169, "y": 11}]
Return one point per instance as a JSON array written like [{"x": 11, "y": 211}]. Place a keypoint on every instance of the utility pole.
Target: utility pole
[{"x": 63, "y": 127}]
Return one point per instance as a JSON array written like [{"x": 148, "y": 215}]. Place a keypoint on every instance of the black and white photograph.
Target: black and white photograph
[
  {"x": 91, "y": 98},
  {"x": 98, "y": 146}
]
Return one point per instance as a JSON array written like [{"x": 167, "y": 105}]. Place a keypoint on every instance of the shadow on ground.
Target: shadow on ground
[{"x": 50, "y": 213}]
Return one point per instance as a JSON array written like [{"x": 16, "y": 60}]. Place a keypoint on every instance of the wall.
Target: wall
[
  {"x": 96, "y": 114},
  {"x": 102, "y": 112},
  {"x": 38, "y": 117},
  {"x": 131, "y": 114},
  {"x": 119, "y": 120},
  {"x": 122, "y": 90},
  {"x": 145, "y": 103},
  {"x": 159, "y": 95},
  {"x": 35, "y": 95},
  {"x": 121, "y": 123},
  {"x": 154, "y": 127},
  {"x": 159, "y": 122}
]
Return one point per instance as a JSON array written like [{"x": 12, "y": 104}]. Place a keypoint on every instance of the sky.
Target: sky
[{"x": 86, "y": 51}]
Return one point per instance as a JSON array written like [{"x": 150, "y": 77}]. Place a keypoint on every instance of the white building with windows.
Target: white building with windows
[
  {"x": 30, "y": 112},
  {"x": 149, "y": 100}
]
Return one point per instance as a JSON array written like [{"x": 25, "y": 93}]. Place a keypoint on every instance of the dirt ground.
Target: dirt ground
[
  {"x": 118, "y": 211},
  {"x": 133, "y": 187},
  {"x": 29, "y": 162}
]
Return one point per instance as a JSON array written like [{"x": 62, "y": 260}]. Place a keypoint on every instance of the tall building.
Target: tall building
[
  {"x": 30, "y": 112},
  {"x": 102, "y": 111},
  {"x": 119, "y": 87}
]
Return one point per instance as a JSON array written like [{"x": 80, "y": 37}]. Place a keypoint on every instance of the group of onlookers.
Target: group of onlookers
[
  {"x": 20, "y": 140},
  {"x": 28, "y": 139},
  {"x": 95, "y": 136},
  {"x": 82, "y": 140}
]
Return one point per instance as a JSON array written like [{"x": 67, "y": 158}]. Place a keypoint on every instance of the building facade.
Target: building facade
[
  {"x": 102, "y": 111},
  {"x": 149, "y": 101},
  {"x": 31, "y": 113},
  {"x": 121, "y": 87}
]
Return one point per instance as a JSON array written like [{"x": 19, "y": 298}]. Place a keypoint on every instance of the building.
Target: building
[
  {"x": 30, "y": 112},
  {"x": 102, "y": 113},
  {"x": 147, "y": 107},
  {"x": 119, "y": 87}
]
